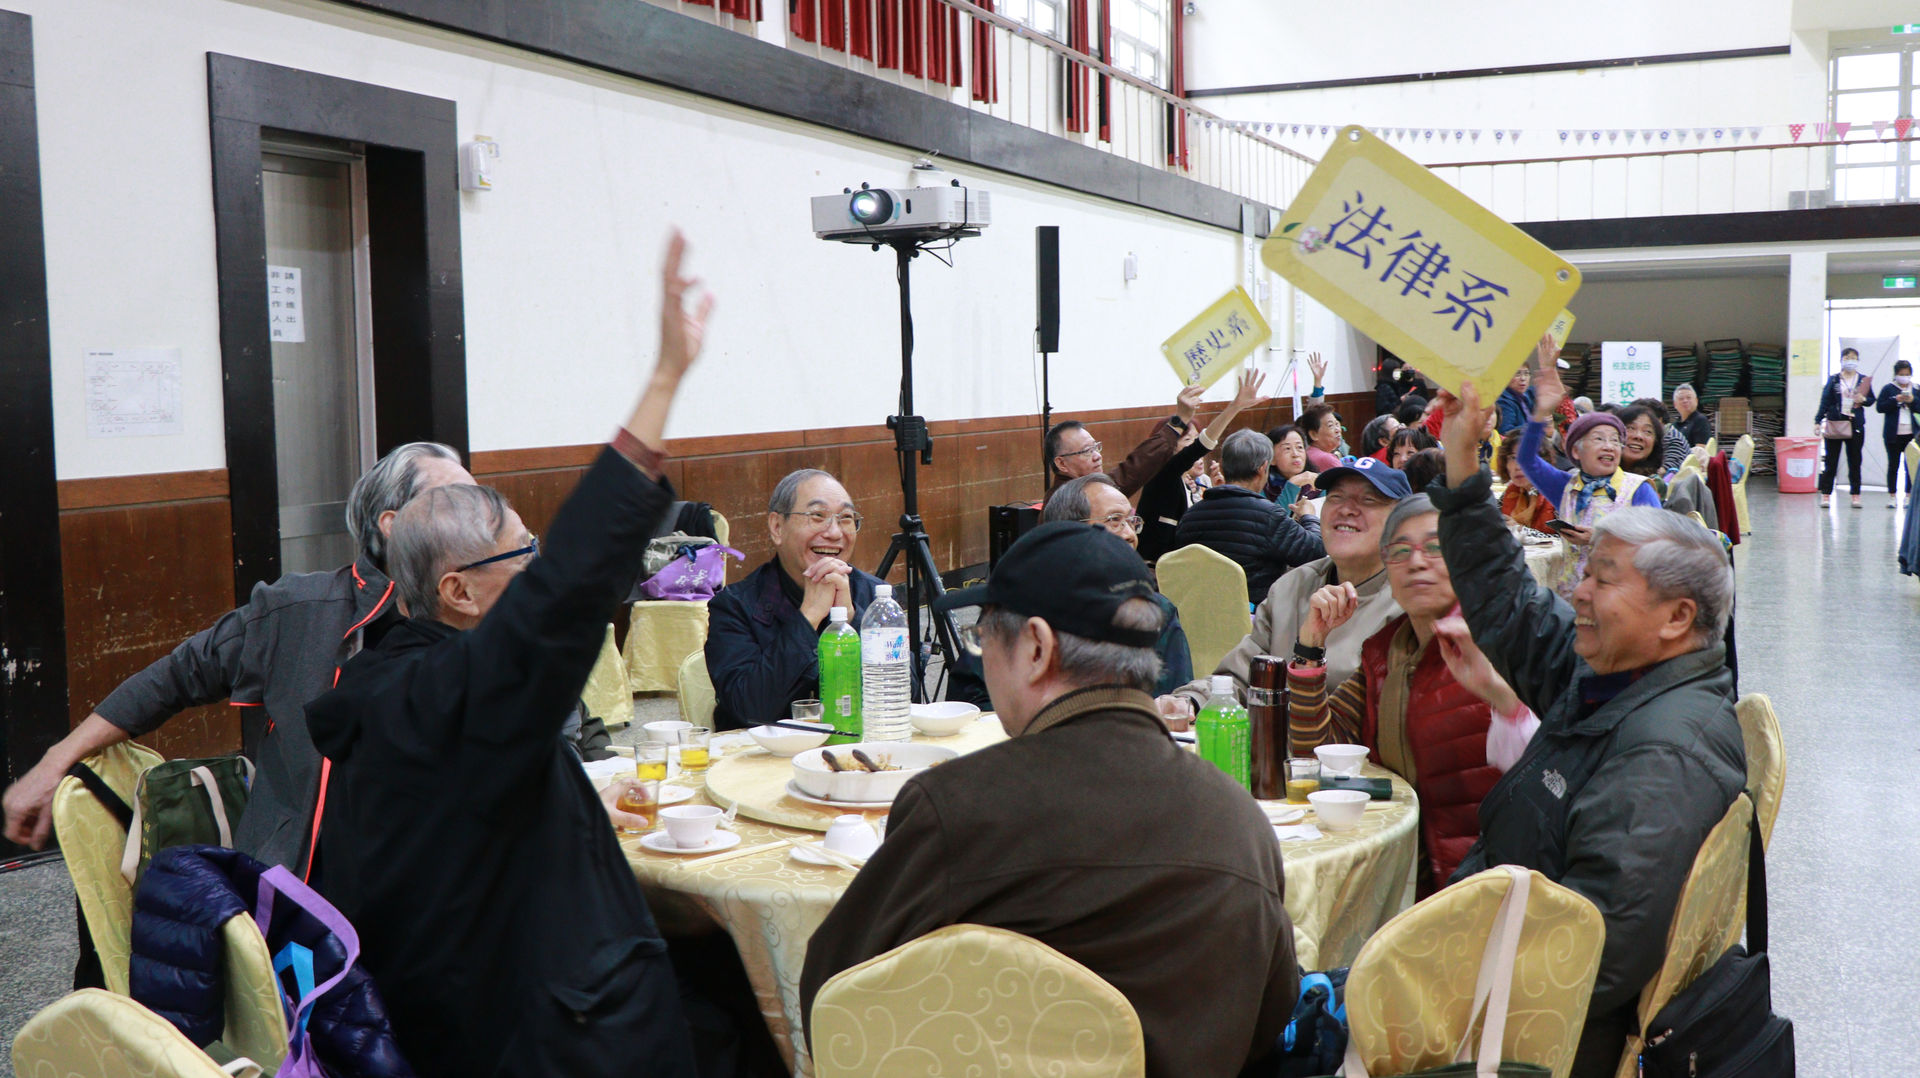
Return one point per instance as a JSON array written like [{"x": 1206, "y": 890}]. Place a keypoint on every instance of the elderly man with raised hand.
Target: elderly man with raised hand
[
  {"x": 1638, "y": 753},
  {"x": 1354, "y": 510},
  {"x": 1235, "y": 519},
  {"x": 496, "y": 910},
  {"x": 1089, "y": 830},
  {"x": 1072, "y": 451},
  {"x": 268, "y": 658},
  {"x": 763, "y": 636}
]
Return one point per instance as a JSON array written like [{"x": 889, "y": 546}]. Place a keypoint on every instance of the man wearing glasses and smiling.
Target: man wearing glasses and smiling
[{"x": 763, "y": 634}]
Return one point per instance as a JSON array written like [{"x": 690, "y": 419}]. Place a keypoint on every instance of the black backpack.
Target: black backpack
[{"x": 1722, "y": 1025}]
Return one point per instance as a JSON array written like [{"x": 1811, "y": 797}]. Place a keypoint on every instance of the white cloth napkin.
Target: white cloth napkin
[{"x": 1296, "y": 832}]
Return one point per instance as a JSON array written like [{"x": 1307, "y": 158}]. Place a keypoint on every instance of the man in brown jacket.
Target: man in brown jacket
[
  {"x": 1089, "y": 830},
  {"x": 1072, "y": 451}
]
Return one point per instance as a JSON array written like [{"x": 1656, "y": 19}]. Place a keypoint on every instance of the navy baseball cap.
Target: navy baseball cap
[
  {"x": 1071, "y": 575},
  {"x": 1391, "y": 482}
]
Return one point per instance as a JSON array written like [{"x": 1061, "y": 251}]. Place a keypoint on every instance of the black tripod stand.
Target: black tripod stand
[{"x": 912, "y": 445}]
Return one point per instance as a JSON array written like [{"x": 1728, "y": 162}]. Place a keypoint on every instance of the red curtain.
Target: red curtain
[
  {"x": 739, "y": 9},
  {"x": 1079, "y": 80},
  {"x": 1177, "y": 85},
  {"x": 917, "y": 37},
  {"x": 985, "y": 86},
  {"x": 1106, "y": 81}
]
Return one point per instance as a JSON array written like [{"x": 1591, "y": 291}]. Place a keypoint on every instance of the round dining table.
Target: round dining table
[{"x": 1340, "y": 886}]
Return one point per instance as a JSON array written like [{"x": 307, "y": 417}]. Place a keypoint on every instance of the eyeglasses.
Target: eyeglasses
[
  {"x": 1113, "y": 522},
  {"x": 532, "y": 547},
  {"x": 1398, "y": 553},
  {"x": 1607, "y": 440},
  {"x": 849, "y": 522},
  {"x": 1094, "y": 448}
]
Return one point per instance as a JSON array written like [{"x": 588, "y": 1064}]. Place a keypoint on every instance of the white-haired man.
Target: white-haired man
[
  {"x": 1638, "y": 754},
  {"x": 269, "y": 658}
]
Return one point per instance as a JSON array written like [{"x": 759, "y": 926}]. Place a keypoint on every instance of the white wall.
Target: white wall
[
  {"x": 560, "y": 261},
  {"x": 1684, "y": 311}
]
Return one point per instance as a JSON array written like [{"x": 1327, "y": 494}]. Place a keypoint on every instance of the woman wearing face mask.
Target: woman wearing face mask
[
  {"x": 1596, "y": 485},
  {"x": 1896, "y": 403},
  {"x": 1842, "y": 426}
]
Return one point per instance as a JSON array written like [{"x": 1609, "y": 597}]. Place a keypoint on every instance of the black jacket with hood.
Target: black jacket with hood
[
  {"x": 1612, "y": 801},
  {"x": 496, "y": 911}
]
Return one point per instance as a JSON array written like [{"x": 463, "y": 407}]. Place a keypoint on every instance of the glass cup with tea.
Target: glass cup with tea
[
  {"x": 695, "y": 744},
  {"x": 806, "y": 710},
  {"x": 650, "y": 761},
  {"x": 640, "y": 797},
  {"x": 1303, "y": 778}
]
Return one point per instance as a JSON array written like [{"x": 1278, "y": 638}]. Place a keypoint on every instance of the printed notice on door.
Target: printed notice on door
[
  {"x": 284, "y": 313},
  {"x": 132, "y": 392}
]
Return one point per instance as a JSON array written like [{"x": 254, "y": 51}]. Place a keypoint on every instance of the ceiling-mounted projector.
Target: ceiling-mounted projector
[{"x": 901, "y": 214}]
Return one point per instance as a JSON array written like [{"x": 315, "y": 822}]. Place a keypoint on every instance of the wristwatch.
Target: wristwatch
[
  {"x": 1178, "y": 423},
  {"x": 1309, "y": 656}
]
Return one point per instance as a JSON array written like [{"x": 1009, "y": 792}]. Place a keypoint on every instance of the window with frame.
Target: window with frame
[
  {"x": 1041, "y": 15},
  {"x": 1140, "y": 38},
  {"x": 1870, "y": 83}
]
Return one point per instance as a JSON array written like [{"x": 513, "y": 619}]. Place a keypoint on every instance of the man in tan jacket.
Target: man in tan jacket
[{"x": 1089, "y": 830}]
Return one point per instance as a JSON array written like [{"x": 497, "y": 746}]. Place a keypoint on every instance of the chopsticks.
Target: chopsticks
[
  {"x": 731, "y": 854},
  {"x": 808, "y": 728}
]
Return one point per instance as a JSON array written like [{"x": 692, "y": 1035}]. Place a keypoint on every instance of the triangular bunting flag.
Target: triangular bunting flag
[
  {"x": 1563, "y": 135},
  {"x": 1613, "y": 135},
  {"x": 1595, "y": 136},
  {"x": 1797, "y": 129},
  {"x": 1880, "y": 128},
  {"x": 1579, "y": 136},
  {"x": 1820, "y": 132},
  {"x": 1476, "y": 135},
  {"x": 1500, "y": 136},
  {"x": 1841, "y": 128},
  {"x": 1459, "y": 136},
  {"x": 1323, "y": 130},
  {"x": 1700, "y": 134},
  {"x": 1719, "y": 133},
  {"x": 1646, "y": 133},
  {"x": 1514, "y": 134},
  {"x": 1901, "y": 126},
  {"x": 1443, "y": 136},
  {"x": 1754, "y": 133},
  {"x": 1666, "y": 134}
]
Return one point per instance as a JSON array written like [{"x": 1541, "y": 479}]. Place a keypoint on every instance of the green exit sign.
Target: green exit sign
[
  {"x": 1907, "y": 28},
  {"x": 1899, "y": 282}
]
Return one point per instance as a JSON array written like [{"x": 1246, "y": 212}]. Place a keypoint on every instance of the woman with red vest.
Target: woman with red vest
[{"x": 1423, "y": 699}]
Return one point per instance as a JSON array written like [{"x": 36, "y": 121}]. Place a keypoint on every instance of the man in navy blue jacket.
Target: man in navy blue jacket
[
  {"x": 496, "y": 911},
  {"x": 763, "y": 634}
]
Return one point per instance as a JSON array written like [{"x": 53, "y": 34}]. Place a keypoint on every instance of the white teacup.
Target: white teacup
[
  {"x": 690, "y": 826},
  {"x": 667, "y": 731},
  {"x": 1338, "y": 810},
  {"x": 851, "y": 835},
  {"x": 1342, "y": 759}
]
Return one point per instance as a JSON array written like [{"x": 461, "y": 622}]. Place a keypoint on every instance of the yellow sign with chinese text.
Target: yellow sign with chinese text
[
  {"x": 1227, "y": 332},
  {"x": 1424, "y": 270},
  {"x": 1804, "y": 358},
  {"x": 1561, "y": 329}
]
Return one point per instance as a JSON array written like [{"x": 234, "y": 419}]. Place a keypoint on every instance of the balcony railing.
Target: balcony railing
[
  {"x": 961, "y": 52},
  {"x": 1746, "y": 179}
]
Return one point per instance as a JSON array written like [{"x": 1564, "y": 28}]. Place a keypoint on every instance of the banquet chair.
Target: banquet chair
[
  {"x": 92, "y": 840},
  {"x": 94, "y": 1033},
  {"x": 661, "y": 633},
  {"x": 606, "y": 693},
  {"x": 1410, "y": 992},
  {"x": 1766, "y": 759},
  {"x": 1913, "y": 467},
  {"x": 1707, "y": 920},
  {"x": 1713, "y": 447},
  {"x": 1210, "y": 592},
  {"x": 697, "y": 699},
  {"x": 968, "y": 999},
  {"x": 1743, "y": 452}
]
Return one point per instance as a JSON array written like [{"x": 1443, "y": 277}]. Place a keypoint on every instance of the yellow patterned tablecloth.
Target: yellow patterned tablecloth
[
  {"x": 1340, "y": 888},
  {"x": 1544, "y": 560}
]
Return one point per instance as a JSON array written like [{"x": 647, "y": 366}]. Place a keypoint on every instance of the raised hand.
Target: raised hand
[
  {"x": 1188, "y": 402},
  {"x": 1319, "y": 368},
  {"x": 1548, "y": 389},
  {"x": 1327, "y": 610},
  {"x": 1248, "y": 390},
  {"x": 681, "y": 332},
  {"x": 1460, "y": 431},
  {"x": 1469, "y": 665}
]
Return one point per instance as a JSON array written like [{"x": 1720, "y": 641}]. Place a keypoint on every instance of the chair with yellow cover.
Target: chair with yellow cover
[
  {"x": 1766, "y": 758},
  {"x": 606, "y": 694},
  {"x": 1413, "y": 993},
  {"x": 697, "y": 698},
  {"x": 968, "y": 999},
  {"x": 1743, "y": 452},
  {"x": 661, "y": 633},
  {"x": 94, "y": 1033},
  {"x": 1913, "y": 467},
  {"x": 1713, "y": 447},
  {"x": 1210, "y": 592},
  {"x": 1706, "y": 921}
]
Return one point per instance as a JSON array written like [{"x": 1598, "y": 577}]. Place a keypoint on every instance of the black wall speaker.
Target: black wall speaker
[{"x": 1046, "y": 286}]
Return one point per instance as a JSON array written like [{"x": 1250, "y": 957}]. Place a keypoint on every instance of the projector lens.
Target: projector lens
[{"x": 871, "y": 207}]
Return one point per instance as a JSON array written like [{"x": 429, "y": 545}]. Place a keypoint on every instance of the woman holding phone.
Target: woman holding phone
[
  {"x": 1896, "y": 403},
  {"x": 1842, "y": 424}
]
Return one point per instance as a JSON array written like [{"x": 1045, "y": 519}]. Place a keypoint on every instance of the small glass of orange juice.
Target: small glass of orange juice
[
  {"x": 694, "y": 749},
  {"x": 650, "y": 761}
]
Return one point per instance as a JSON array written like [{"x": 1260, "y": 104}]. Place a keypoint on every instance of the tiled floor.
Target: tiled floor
[{"x": 1827, "y": 628}]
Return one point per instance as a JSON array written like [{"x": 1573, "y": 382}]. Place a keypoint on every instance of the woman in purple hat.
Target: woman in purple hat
[{"x": 1596, "y": 486}]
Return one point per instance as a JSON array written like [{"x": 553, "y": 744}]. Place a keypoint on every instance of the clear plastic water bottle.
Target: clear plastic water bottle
[
  {"x": 840, "y": 676},
  {"x": 885, "y": 670},
  {"x": 1225, "y": 734}
]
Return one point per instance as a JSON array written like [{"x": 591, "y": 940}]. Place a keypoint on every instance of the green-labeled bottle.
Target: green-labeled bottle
[
  {"x": 840, "y": 677},
  {"x": 1225, "y": 735}
]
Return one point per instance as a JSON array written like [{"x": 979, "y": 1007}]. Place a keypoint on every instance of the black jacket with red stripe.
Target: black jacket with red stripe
[{"x": 270, "y": 658}]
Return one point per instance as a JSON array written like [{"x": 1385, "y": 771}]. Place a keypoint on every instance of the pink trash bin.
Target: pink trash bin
[{"x": 1798, "y": 464}]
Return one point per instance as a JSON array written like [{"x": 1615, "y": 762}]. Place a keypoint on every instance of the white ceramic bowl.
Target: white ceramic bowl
[
  {"x": 1338, "y": 810},
  {"x": 815, "y": 779},
  {"x": 943, "y": 718},
  {"x": 1342, "y": 759},
  {"x": 782, "y": 741},
  {"x": 690, "y": 826},
  {"x": 666, "y": 731}
]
